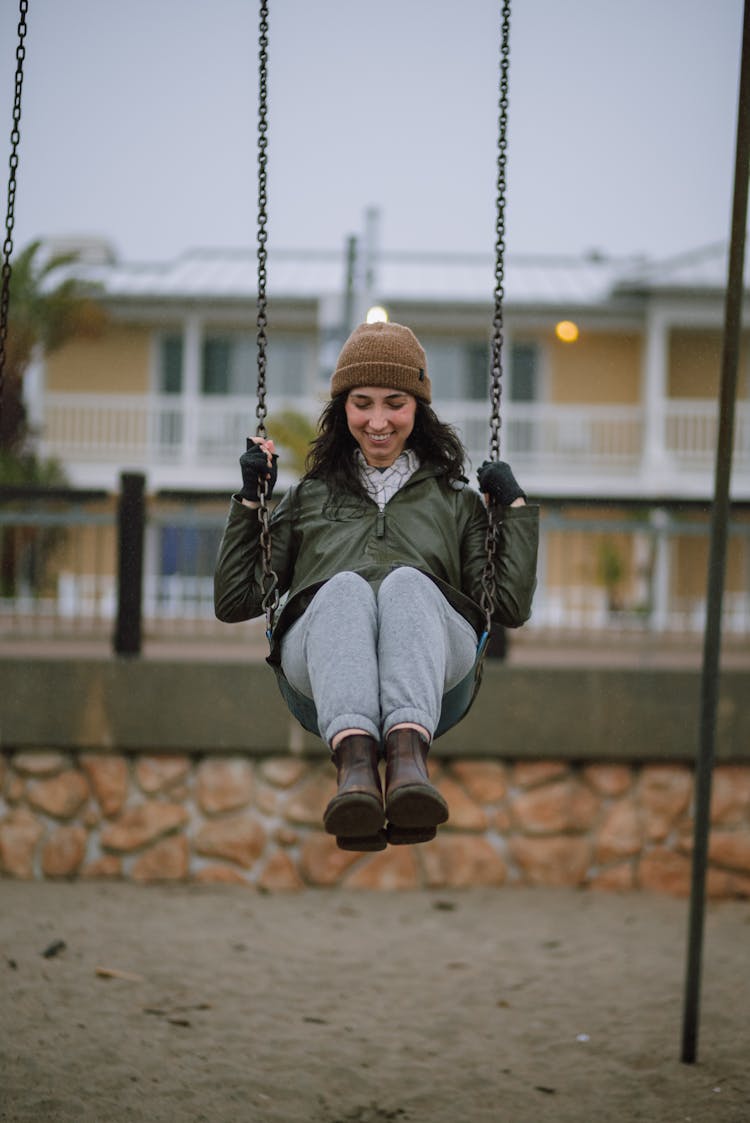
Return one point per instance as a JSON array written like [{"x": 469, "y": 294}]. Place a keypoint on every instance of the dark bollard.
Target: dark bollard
[{"x": 131, "y": 519}]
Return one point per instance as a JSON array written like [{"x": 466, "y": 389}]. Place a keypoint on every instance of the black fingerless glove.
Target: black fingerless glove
[
  {"x": 497, "y": 480},
  {"x": 255, "y": 469}
]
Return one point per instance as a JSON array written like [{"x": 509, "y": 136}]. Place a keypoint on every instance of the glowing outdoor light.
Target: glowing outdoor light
[
  {"x": 566, "y": 331},
  {"x": 377, "y": 315}
]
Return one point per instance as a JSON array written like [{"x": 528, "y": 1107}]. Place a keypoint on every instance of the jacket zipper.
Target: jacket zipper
[{"x": 380, "y": 521}]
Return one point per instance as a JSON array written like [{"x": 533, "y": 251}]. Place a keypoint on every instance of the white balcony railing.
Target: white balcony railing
[
  {"x": 554, "y": 435},
  {"x": 691, "y": 428},
  {"x": 596, "y": 442}
]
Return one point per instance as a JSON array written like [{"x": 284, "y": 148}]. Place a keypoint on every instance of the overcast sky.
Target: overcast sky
[{"x": 139, "y": 123}]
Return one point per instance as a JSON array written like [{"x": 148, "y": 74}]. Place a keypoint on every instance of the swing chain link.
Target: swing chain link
[
  {"x": 270, "y": 579},
  {"x": 15, "y": 137},
  {"x": 262, "y": 317},
  {"x": 496, "y": 369}
]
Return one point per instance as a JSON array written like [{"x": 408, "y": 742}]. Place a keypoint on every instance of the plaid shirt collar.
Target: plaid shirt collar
[{"x": 382, "y": 485}]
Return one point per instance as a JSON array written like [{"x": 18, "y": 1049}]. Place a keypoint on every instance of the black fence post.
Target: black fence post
[{"x": 131, "y": 521}]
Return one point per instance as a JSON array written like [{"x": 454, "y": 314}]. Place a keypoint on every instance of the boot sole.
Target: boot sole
[
  {"x": 416, "y": 806},
  {"x": 409, "y": 836},
  {"x": 368, "y": 843},
  {"x": 354, "y": 815}
]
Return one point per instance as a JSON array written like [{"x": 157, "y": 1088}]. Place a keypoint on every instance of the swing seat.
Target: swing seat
[{"x": 456, "y": 701}]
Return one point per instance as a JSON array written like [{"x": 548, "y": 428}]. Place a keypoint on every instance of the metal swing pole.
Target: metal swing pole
[{"x": 717, "y": 556}]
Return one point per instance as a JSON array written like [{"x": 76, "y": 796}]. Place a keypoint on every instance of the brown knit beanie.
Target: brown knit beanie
[{"x": 382, "y": 355}]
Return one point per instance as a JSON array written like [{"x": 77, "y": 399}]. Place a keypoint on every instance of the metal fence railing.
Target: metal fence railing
[
  {"x": 625, "y": 567},
  {"x": 57, "y": 562},
  {"x": 126, "y": 568},
  {"x": 88, "y": 565}
]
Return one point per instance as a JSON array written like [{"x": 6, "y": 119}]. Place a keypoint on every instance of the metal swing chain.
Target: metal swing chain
[
  {"x": 15, "y": 137},
  {"x": 270, "y": 580},
  {"x": 496, "y": 369},
  {"x": 262, "y": 318}
]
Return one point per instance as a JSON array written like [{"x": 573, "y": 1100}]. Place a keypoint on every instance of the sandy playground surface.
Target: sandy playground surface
[{"x": 219, "y": 1004}]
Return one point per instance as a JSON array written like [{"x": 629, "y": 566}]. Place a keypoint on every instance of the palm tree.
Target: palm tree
[
  {"x": 293, "y": 432},
  {"x": 48, "y": 306}
]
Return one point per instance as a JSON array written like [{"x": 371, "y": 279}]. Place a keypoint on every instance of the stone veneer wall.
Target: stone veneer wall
[{"x": 256, "y": 821}]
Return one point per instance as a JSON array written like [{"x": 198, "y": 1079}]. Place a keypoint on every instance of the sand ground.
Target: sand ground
[{"x": 511, "y": 1005}]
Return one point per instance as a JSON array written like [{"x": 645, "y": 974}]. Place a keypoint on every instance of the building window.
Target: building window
[
  {"x": 523, "y": 389},
  {"x": 187, "y": 556},
  {"x": 458, "y": 370},
  {"x": 229, "y": 365},
  {"x": 188, "y": 551},
  {"x": 169, "y": 422},
  {"x": 524, "y": 372},
  {"x": 477, "y": 372},
  {"x": 289, "y": 365},
  {"x": 170, "y": 364}
]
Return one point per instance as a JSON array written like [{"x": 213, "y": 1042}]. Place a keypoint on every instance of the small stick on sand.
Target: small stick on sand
[{"x": 115, "y": 973}]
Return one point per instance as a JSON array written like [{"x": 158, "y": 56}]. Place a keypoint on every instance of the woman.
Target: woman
[{"x": 381, "y": 547}]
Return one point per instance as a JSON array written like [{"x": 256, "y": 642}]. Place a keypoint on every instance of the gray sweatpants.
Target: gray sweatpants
[{"x": 372, "y": 661}]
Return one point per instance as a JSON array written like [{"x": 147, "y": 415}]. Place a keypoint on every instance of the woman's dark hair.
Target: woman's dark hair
[{"x": 331, "y": 455}]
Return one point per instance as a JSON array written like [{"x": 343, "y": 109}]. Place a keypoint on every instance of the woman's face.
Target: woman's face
[{"x": 381, "y": 421}]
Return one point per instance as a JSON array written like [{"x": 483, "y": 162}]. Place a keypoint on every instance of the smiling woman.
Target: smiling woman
[
  {"x": 380, "y": 422},
  {"x": 392, "y": 567},
  {"x": 380, "y": 377},
  {"x": 384, "y": 369},
  {"x": 382, "y": 550}
]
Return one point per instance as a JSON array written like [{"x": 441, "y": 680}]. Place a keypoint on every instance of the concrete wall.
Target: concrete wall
[
  {"x": 175, "y": 771},
  {"x": 591, "y": 714}
]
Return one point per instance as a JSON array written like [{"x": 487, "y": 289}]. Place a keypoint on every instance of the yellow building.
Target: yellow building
[{"x": 609, "y": 406}]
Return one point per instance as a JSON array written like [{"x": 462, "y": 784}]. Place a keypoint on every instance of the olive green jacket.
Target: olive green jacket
[{"x": 438, "y": 527}]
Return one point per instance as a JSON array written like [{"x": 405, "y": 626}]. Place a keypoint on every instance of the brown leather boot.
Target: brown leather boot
[
  {"x": 411, "y": 801},
  {"x": 356, "y": 811}
]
